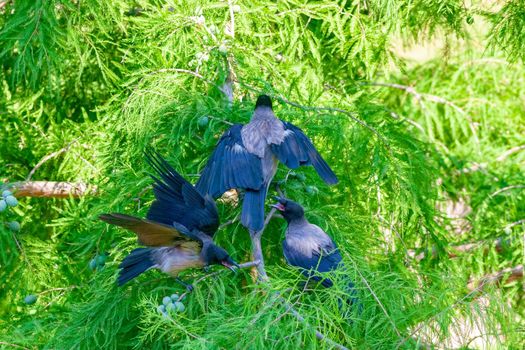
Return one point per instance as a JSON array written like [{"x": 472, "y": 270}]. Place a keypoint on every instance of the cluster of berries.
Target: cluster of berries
[
  {"x": 171, "y": 305},
  {"x": 98, "y": 262},
  {"x": 8, "y": 200}
]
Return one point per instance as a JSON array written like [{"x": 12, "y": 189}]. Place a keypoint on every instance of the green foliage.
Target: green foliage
[{"x": 93, "y": 82}]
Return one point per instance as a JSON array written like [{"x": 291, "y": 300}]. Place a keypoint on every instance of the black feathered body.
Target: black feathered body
[
  {"x": 170, "y": 260},
  {"x": 178, "y": 228},
  {"x": 309, "y": 248},
  {"x": 246, "y": 157}
]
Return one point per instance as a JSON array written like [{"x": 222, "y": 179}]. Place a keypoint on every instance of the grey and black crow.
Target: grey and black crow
[
  {"x": 246, "y": 158},
  {"x": 178, "y": 228},
  {"x": 308, "y": 247}
]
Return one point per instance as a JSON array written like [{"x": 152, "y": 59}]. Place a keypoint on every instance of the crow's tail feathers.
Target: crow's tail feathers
[
  {"x": 252, "y": 216},
  {"x": 138, "y": 261}
]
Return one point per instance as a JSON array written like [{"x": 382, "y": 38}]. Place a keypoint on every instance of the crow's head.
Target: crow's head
[
  {"x": 215, "y": 255},
  {"x": 263, "y": 101},
  {"x": 289, "y": 209}
]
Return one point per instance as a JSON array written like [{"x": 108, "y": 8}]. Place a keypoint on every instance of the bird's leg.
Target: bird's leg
[{"x": 188, "y": 286}]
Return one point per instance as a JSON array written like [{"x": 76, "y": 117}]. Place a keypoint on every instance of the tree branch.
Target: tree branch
[
  {"x": 438, "y": 99},
  {"x": 507, "y": 275},
  {"x": 455, "y": 250},
  {"x": 51, "y": 189},
  {"x": 255, "y": 237}
]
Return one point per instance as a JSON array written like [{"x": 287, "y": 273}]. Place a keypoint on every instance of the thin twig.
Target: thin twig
[
  {"x": 509, "y": 274},
  {"x": 229, "y": 222},
  {"x": 57, "y": 289},
  {"x": 468, "y": 295},
  {"x": 378, "y": 301},
  {"x": 509, "y": 152},
  {"x": 438, "y": 99},
  {"x": 48, "y": 157},
  {"x": 200, "y": 279},
  {"x": 504, "y": 189},
  {"x": 22, "y": 251},
  {"x": 328, "y": 109},
  {"x": 453, "y": 251},
  {"x": 13, "y": 345},
  {"x": 300, "y": 318}
]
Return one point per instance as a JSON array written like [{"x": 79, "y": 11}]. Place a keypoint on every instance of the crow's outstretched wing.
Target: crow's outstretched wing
[
  {"x": 230, "y": 166},
  {"x": 151, "y": 234},
  {"x": 177, "y": 201},
  {"x": 297, "y": 149}
]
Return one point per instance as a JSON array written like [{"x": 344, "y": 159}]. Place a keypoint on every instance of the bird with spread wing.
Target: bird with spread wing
[
  {"x": 177, "y": 231},
  {"x": 246, "y": 157}
]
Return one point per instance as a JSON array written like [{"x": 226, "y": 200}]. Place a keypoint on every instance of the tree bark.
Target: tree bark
[
  {"x": 257, "y": 255},
  {"x": 52, "y": 189}
]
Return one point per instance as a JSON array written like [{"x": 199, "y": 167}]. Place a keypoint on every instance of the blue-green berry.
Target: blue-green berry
[
  {"x": 311, "y": 189},
  {"x": 14, "y": 226},
  {"x": 7, "y": 193},
  {"x": 93, "y": 264},
  {"x": 179, "y": 307},
  {"x": 171, "y": 307},
  {"x": 203, "y": 121},
  {"x": 30, "y": 299},
  {"x": 174, "y": 297},
  {"x": 301, "y": 176},
  {"x": 101, "y": 259},
  {"x": 161, "y": 309},
  {"x": 3, "y": 205},
  {"x": 11, "y": 201},
  {"x": 166, "y": 300}
]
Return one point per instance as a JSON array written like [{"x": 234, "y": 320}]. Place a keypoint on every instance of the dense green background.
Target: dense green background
[{"x": 423, "y": 98}]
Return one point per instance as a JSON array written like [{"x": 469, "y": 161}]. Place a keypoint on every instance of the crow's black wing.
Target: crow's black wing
[
  {"x": 177, "y": 201},
  {"x": 230, "y": 166},
  {"x": 153, "y": 234},
  {"x": 323, "y": 259},
  {"x": 297, "y": 149}
]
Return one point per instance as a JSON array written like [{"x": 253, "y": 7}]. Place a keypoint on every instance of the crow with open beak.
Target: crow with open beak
[
  {"x": 246, "y": 158},
  {"x": 308, "y": 247},
  {"x": 178, "y": 228}
]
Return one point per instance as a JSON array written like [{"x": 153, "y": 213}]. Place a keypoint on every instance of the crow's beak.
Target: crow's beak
[
  {"x": 279, "y": 206},
  {"x": 233, "y": 266}
]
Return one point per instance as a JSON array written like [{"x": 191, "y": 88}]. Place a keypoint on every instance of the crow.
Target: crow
[
  {"x": 309, "y": 248},
  {"x": 178, "y": 229},
  {"x": 246, "y": 157}
]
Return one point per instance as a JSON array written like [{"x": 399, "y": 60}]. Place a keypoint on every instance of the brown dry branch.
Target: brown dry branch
[
  {"x": 506, "y": 275},
  {"x": 502, "y": 157},
  {"x": 52, "y": 189},
  {"x": 454, "y": 251}
]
